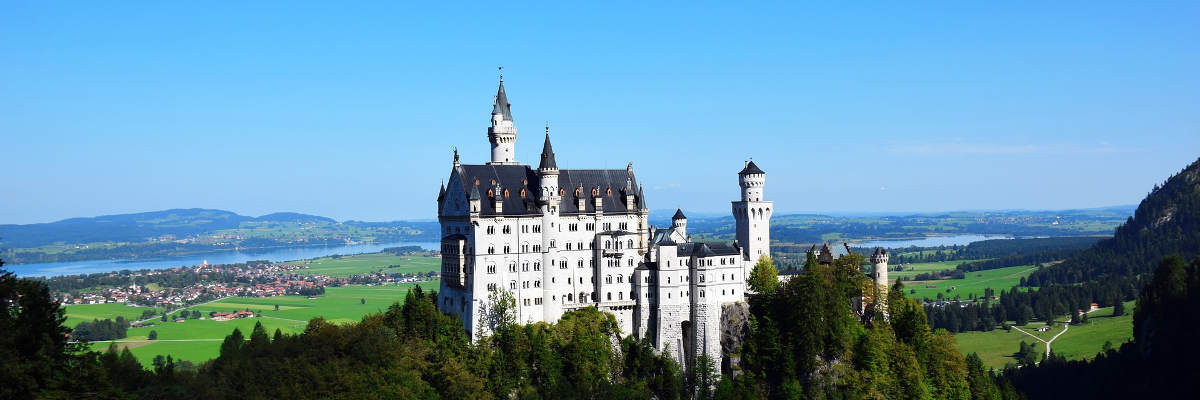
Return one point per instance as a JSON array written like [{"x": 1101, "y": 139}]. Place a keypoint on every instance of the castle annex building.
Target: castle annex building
[{"x": 562, "y": 239}]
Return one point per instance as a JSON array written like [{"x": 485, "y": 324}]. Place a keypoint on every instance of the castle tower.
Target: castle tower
[
  {"x": 753, "y": 214},
  {"x": 679, "y": 223},
  {"x": 503, "y": 133},
  {"x": 879, "y": 272},
  {"x": 548, "y": 201}
]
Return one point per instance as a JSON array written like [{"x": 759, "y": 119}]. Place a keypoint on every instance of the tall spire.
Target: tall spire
[
  {"x": 547, "y": 152},
  {"x": 501, "y": 105}
]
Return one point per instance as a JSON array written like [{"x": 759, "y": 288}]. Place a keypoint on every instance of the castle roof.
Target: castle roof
[
  {"x": 518, "y": 177},
  {"x": 501, "y": 105},
  {"x": 678, "y": 215},
  {"x": 705, "y": 250},
  {"x": 547, "y": 154},
  {"x": 750, "y": 169}
]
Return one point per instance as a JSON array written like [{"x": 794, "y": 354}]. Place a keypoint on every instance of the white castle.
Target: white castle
[{"x": 563, "y": 239}]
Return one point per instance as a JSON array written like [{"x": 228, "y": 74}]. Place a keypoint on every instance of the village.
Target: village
[{"x": 215, "y": 281}]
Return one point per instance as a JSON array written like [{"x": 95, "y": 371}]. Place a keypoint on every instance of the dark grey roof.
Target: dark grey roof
[
  {"x": 517, "y": 177},
  {"x": 879, "y": 251},
  {"x": 750, "y": 168},
  {"x": 456, "y": 236},
  {"x": 500, "y": 105},
  {"x": 600, "y": 179},
  {"x": 705, "y": 250},
  {"x": 475, "y": 193},
  {"x": 547, "y": 154},
  {"x": 678, "y": 215},
  {"x": 641, "y": 199}
]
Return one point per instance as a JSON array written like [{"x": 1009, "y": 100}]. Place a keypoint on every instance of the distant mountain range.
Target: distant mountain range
[{"x": 195, "y": 230}]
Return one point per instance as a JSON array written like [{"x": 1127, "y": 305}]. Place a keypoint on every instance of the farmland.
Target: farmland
[
  {"x": 369, "y": 263},
  {"x": 973, "y": 284},
  {"x": 86, "y": 312},
  {"x": 200, "y": 340},
  {"x": 912, "y": 269}
]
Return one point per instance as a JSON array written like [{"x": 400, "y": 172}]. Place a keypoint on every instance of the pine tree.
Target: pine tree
[{"x": 764, "y": 278}]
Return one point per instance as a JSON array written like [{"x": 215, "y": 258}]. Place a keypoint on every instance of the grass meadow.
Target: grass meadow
[
  {"x": 1083, "y": 341},
  {"x": 974, "y": 283},
  {"x": 77, "y": 313},
  {"x": 912, "y": 269},
  {"x": 200, "y": 340},
  {"x": 369, "y": 263}
]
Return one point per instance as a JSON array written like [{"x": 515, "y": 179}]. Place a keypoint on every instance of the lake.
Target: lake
[
  {"x": 930, "y": 241},
  {"x": 224, "y": 257}
]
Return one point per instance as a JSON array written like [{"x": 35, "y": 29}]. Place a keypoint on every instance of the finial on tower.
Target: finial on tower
[
  {"x": 456, "y": 156},
  {"x": 501, "y": 68}
]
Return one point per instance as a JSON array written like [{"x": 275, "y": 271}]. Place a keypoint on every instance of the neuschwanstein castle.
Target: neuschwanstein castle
[{"x": 562, "y": 239}]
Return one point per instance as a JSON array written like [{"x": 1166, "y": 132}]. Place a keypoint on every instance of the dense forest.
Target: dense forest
[
  {"x": 804, "y": 339},
  {"x": 991, "y": 248}
]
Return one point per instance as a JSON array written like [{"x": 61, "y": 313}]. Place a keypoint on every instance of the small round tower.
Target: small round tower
[
  {"x": 679, "y": 222},
  {"x": 879, "y": 266}
]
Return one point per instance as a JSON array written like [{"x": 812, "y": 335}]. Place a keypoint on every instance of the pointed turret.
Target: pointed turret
[
  {"x": 547, "y": 154},
  {"x": 678, "y": 214},
  {"x": 501, "y": 106},
  {"x": 503, "y": 132}
]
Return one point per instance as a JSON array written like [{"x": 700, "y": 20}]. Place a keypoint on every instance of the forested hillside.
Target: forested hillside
[{"x": 1166, "y": 222}]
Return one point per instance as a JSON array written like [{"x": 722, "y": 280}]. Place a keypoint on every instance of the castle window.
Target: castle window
[
  {"x": 507, "y": 229},
  {"x": 620, "y": 278},
  {"x": 491, "y": 269},
  {"x": 525, "y": 267},
  {"x": 570, "y": 297},
  {"x": 608, "y": 192},
  {"x": 493, "y": 182},
  {"x": 490, "y": 193},
  {"x": 491, "y": 287},
  {"x": 513, "y": 285},
  {"x": 537, "y": 266},
  {"x": 562, "y": 192},
  {"x": 506, "y": 249},
  {"x": 609, "y": 296},
  {"x": 596, "y": 191},
  {"x": 506, "y": 193},
  {"x": 568, "y": 245},
  {"x": 562, "y": 264},
  {"x": 576, "y": 192},
  {"x": 580, "y": 263},
  {"x": 491, "y": 250},
  {"x": 522, "y": 193},
  {"x": 701, "y": 293},
  {"x": 537, "y": 301},
  {"x": 512, "y": 267},
  {"x": 537, "y": 284},
  {"x": 608, "y": 279}
]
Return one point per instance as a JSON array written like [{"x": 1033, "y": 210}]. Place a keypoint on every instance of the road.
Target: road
[{"x": 1066, "y": 326}]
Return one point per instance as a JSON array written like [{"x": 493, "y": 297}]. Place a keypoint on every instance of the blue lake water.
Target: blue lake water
[
  {"x": 931, "y": 241},
  {"x": 224, "y": 257}
]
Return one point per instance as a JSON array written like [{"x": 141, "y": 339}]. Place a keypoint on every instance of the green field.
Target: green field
[
  {"x": 200, "y": 340},
  {"x": 1083, "y": 341},
  {"x": 77, "y": 313},
  {"x": 368, "y": 263},
  {"x": 912, "y": 269},
  {"x": 974, "y": 283}
]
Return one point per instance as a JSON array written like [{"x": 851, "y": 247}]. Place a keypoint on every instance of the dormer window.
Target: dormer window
[
  {"x": 562, "y": 192},
  {"x": 490, "y": 193},
  {"x": 522, "y": 193},
  {"x": 506, "y": 193}
]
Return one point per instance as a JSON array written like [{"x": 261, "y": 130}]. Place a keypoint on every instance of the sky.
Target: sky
[{"x": 351, "y": 110}]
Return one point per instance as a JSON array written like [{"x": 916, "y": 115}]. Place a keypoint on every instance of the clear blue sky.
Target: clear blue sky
[{"x": 351, "y": 110}]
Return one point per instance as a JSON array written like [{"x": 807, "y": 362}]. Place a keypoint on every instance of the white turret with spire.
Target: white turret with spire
[{"x": 503, "y": 132}]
